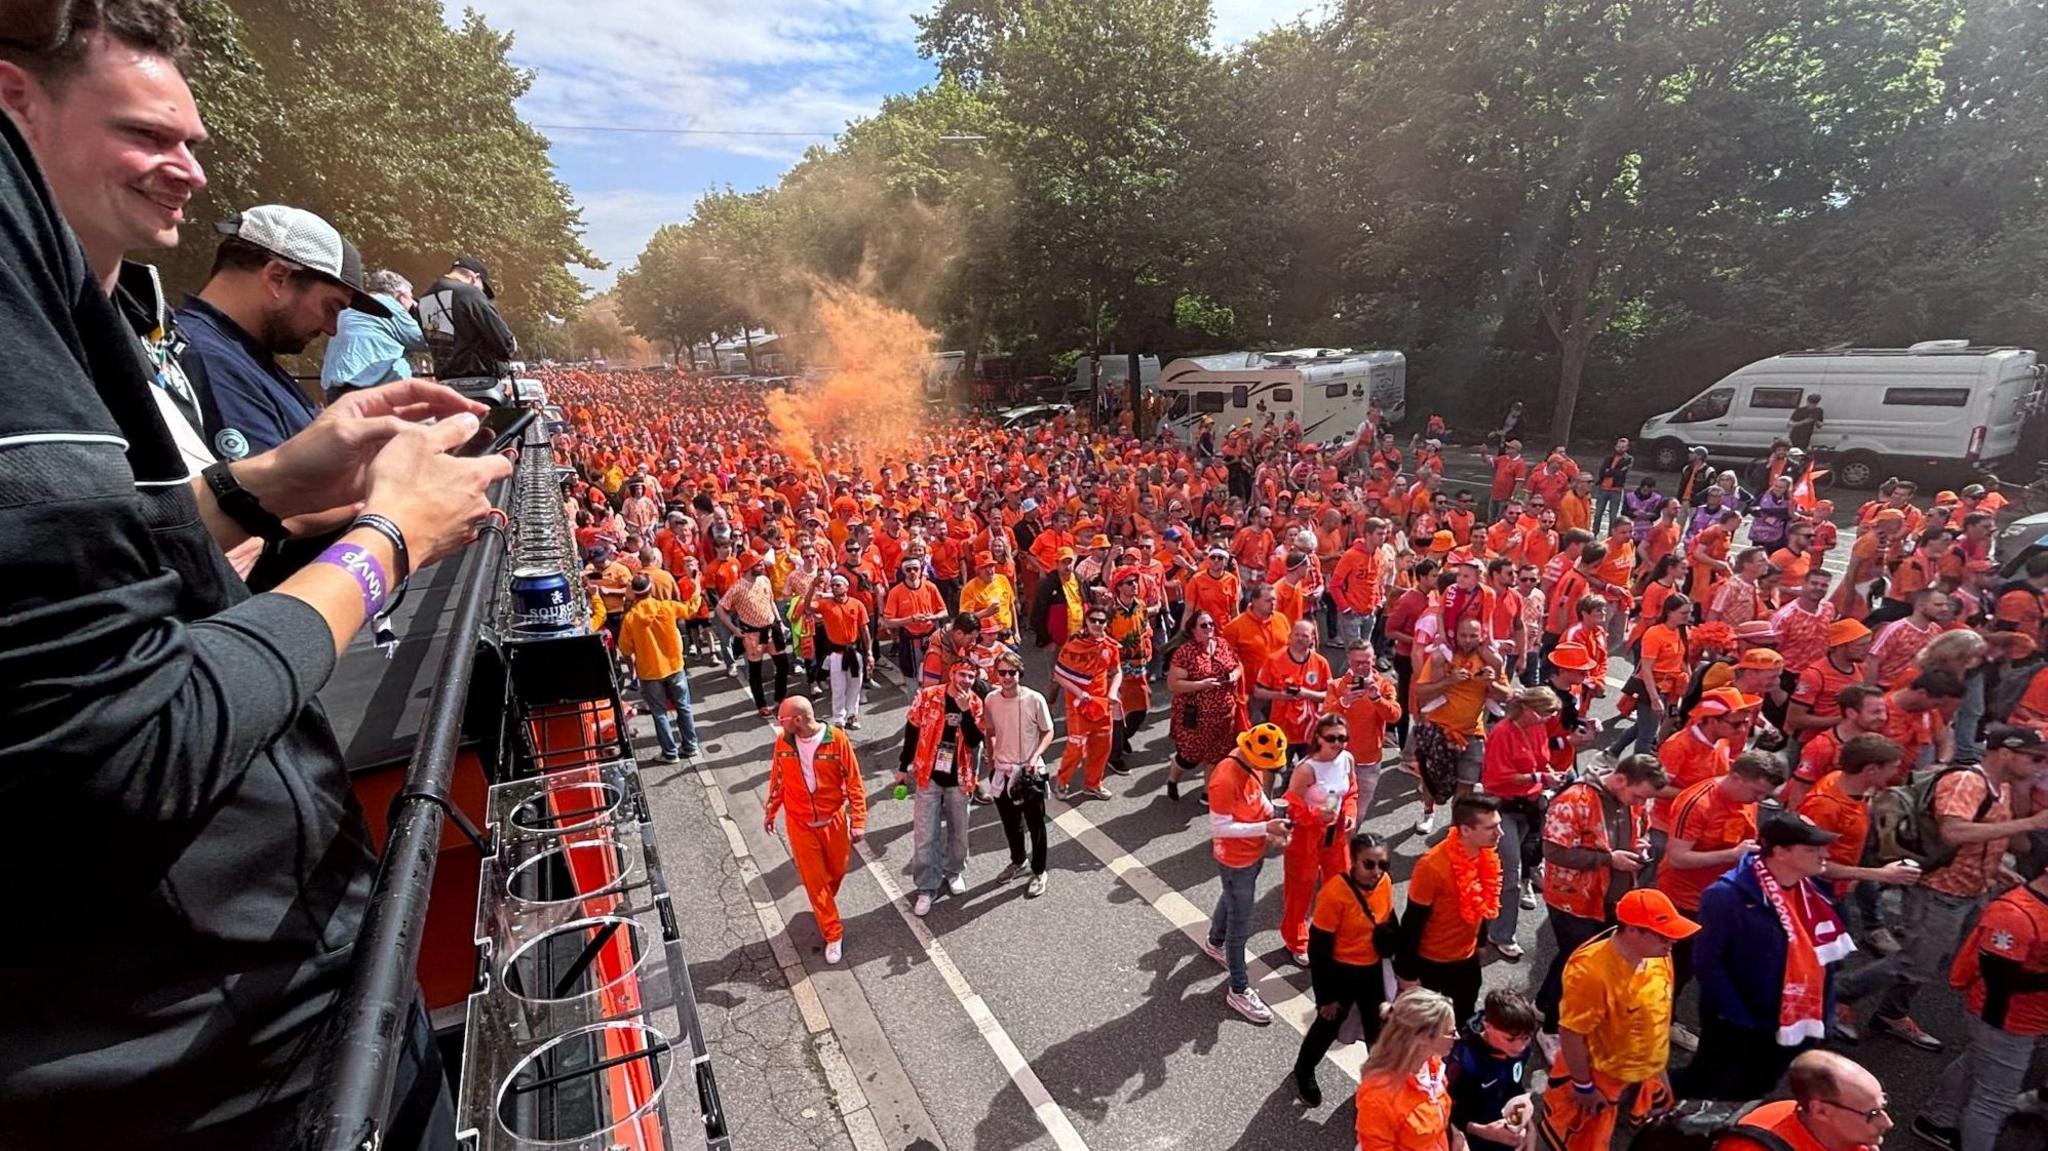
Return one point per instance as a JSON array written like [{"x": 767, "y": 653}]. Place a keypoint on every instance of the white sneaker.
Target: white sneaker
[
  {"x": 1248, "y": 1004},
  {"x": 1215, "y": 952},
  {"x": 1427, "y": 823},
  {"x": 957, "y": 885},
  {"x": 1509, "y": 950},
  {"x": 923, "y": 906},
  {"x": 1682, "y": 1037},
  {"x": 833, "y": 950},
  {"x": 1884, "y": 942},
  {"x": 1528, "y": 897}
]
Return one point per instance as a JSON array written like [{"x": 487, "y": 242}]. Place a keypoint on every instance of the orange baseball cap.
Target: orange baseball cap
[
  {"x": 1652, "y": 910},
  {"x": 1846, "y": 631},
  {"x": 1761, "y": 659}
]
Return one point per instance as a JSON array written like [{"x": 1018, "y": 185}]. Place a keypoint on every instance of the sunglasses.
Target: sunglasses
[
  {"x": 1008, "y": 671},
  {"x": 1339, "y": 737},
  {"x": 1098, "y": 619},
  {"x": 1869, "y": 1116},
  {"x": 1369, "y": 864},
  {"x": 1205, "y": 625}
]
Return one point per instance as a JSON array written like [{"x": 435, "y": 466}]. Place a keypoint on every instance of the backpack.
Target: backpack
[
  {"x": 2013, "y": 682},
  {"x": 1698, "y": 1124},
  {"x": 1903, "y": 818}
]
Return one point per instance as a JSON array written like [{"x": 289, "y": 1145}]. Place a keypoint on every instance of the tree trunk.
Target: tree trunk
[
  {"x": 1572, "y": 353},
  {"x": 748, "y": 330},
  {"x": 970, "y": 359},
  {"x": 1134, "y": 394}
]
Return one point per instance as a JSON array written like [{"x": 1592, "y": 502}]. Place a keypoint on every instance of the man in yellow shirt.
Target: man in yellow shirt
[
  {"x": 990, "y": 598},
  {"x": 1614, "y": 1027},
  {"x": 651, "y": 638}
]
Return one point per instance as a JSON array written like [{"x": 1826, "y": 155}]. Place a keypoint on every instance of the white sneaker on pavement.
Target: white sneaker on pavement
[
  {"x": 833, "y": 950},
  {"x": 1036, "y": 887},
  {"x": 1528, "y": 897},
  {"x": 1424, "y": 825},
  {"x": 923, "y": 906},
  {"x": 1682, "y": 1037},
  {"x": 957, "y": 885},
  {"x": 1248, "y": 1004},
  {"x": 1215, "y": 952}
]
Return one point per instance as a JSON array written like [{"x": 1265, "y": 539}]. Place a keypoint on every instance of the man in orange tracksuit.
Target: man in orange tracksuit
[
  {"x": 1089, "y": 673},
  {"x": 814, "y": 779}
]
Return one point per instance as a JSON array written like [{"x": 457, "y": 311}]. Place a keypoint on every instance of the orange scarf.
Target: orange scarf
[{"x": 1476, "y": 876}]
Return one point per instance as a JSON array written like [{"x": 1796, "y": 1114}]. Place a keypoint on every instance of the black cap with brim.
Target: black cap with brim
[
  {"x": 1789, "y": 830},
  {"x": 483, "y": 273}
]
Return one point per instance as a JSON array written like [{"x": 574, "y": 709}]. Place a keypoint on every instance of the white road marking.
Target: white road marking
[
  {"x": 861, "y": 1125},
  {"x": 1296, "y": 1007},
  {"x": 1050, "y": 1116}
]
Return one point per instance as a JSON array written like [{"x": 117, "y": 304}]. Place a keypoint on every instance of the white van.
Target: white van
[
  {"x": 1941, "y": 406},
  {"x": 1327, "y": 389}
]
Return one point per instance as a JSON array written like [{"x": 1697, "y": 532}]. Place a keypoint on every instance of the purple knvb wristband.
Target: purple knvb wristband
[{"x": 356, "y": 560}]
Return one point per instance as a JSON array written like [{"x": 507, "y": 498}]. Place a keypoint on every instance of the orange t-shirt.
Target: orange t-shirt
[
  {"x": 842, "y": 622},
  {"x": 1255, "y": 643},
  {"x": 1663, "y": 652},
  {"x": 1705, "y": 815},
  {"x": 902, "y": 603},
  {"x": 1296, "y": 716},
  {"x": 1448, "y": 936},
  {"x": 1689, "y": 759},
  {"x": 1235, "y": 791},
  {"x": 1833, "y": 809},
  {"x": 1412, "y": 1113},
  {"x": 1781, "y": 1119},
  {"x": 1338, "y": 913}
]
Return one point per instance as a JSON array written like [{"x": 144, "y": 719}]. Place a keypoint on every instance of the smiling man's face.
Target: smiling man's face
[{"x": 115, "y": 137}]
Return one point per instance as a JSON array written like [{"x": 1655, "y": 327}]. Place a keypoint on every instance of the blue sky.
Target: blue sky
[{"x": 756, "y": 66}]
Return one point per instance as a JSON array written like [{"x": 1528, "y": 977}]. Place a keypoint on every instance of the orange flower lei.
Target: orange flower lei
[{"x": 1476, "y": 877}]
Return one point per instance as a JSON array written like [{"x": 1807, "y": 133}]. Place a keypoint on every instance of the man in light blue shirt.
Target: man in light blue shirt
[{"x": 369, "y": 350}]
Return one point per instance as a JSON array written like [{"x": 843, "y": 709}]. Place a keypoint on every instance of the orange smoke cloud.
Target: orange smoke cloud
[{"x": 871, "y": 399}]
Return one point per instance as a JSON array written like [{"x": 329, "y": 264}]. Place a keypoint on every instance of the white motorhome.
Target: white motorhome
[
  {"x": 1327, "y": 389},
  {"x": 1939, "y": 406}
]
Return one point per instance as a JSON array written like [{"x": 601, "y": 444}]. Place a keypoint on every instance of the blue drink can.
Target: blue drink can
[{"x": 542, "y": 602}]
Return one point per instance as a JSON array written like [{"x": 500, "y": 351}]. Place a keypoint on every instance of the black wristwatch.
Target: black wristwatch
[{"x": 240, "y": 505}]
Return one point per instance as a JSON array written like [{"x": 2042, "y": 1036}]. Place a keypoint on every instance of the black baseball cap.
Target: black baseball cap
[
  {"x": 2013, "y": 737},
  {"x": 1789, "y": 830},
  {"x": 472, "y": 264}
]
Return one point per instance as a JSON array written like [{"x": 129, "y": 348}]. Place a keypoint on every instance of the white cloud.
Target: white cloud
[{"x": 618, "y": 224}]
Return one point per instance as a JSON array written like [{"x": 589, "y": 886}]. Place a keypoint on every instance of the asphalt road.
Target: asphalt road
[{"x": 1088, "y": 1018}]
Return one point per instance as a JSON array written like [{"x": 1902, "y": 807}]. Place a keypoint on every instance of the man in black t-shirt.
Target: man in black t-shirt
[{"x": 1806, "y": 420}]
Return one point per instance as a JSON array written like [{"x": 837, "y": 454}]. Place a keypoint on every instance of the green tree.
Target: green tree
[
  {"x": 400, "y": 130},
  {"x": 1578, "y": 155},
  {"x": 670, "y": 296}
]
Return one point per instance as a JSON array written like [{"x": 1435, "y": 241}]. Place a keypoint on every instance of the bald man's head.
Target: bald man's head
[
  {"x": 1818, "y": 1074},
  {"x": 795, "y": 715}
]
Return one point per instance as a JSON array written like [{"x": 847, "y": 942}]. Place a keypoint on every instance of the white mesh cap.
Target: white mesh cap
[{"x": 300, "y": 237}]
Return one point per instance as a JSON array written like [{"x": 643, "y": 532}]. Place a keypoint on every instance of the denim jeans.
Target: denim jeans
[
  {"x": 1968, "y": 716},
  {"x": 1606, "y": 507},
  {"x": 937, "y": 855},
  {"x": 663, "y": 696},
  {"x": 1934, "y": 922},
  {"x": 1231, "y": 925},
  {"x": 1980, "y": 1088},
  {"x": 1517, "y": 824}
]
